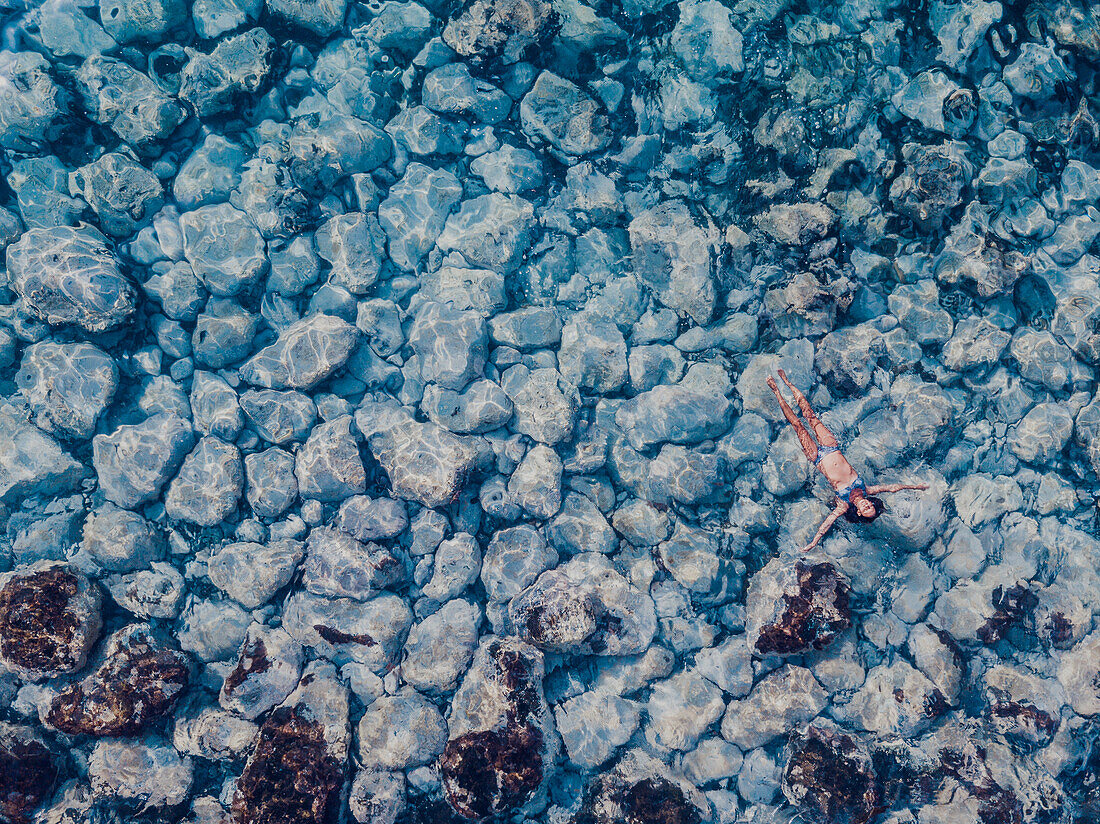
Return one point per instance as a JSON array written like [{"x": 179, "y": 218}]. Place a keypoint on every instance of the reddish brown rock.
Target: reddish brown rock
[
  {"x": 292, "y": 775},
  {"x": 28, "y": 773},
  {"x": 49, "y": 620},
  {"x": 141, "y": 680},
  {"x": 795, "y": 608},
  {"x": 1014, "y": 607},
  {"x": 502, "y": 735},
  {"x": 491, "y": 772},
  {"x": 830, "y": 776},
  {"x": 640, "y": 790}
]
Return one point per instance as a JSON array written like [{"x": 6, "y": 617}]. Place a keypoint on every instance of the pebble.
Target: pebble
[
  {"x": 209, "y": 484},
  {"x": 343, "y": 629},
  {"x": 88, "y": 290},
  {"x": 338, "y": 566},
  {"x": 307, "y": 352},
  {"x": 270, "y": 484},
  {"x": 416, "y": 210},
  {"x": 328, "y": 466},
  {"x": 491, "y": 231},
  {"x": 252, "y": 573}
]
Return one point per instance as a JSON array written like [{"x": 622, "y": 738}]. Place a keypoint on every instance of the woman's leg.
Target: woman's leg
[
  {"x": 825, "y": 437},
  {"x": 804, "y": 437}
]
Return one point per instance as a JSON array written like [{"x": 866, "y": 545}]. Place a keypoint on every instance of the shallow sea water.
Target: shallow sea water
[{"x": 385, "y": 434}]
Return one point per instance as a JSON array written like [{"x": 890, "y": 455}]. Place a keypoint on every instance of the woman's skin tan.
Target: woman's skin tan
[{"x": 834, "y": 466}]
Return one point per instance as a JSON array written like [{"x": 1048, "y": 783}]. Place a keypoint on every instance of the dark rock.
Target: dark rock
[
  {"x": 794, "y": 608},
  {"x": 28, "y": 773},
  {"x": 830, "y": 776},
  {"x": 499, "y": 753},
  {"x": 49, "y": 619},
  {"x": 492, "y": 771},
  {"x": 932, "y": 182},
  {"x": 141, "y": 680},
  {"x": 291, "y": 777},
  {"x": 585, "y": 607},
  {"x": 964, "y": 758},
  {"x": 640, "y": 790},
  {"x": 1014, "y": 607}
]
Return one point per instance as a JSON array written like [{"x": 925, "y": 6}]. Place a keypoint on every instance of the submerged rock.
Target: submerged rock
[
  {"x": 585, "y": 607},
  {"x": 143, "y": 774},
  {"x": 501, "y": 745},
  {"x": 29, "y": 770},
  {"x": 69, "y": 275},
  {"x": 830, "y": 775},
  {"x": 31, "y": 462},
  {"x": 49, "y": 620},
  {"x": 503, "y": 30},
  {"x": 68, "y": 385},
  {"x": 307, "y": 352},
  {"x": 559, "y": 113},
  {"x": 796, "y": 607},
  {"x": 135, "y": 461},
  {"x": 209, "y": 484},
  {"x": 290, "y": 776},
  {"x": 673, "y": 256},
  {"x": 641, "y": 789},
  {"x": 140, "y": 681},
  {"x": 424, "y": 462},
  {"x": 268, "y": 667}
]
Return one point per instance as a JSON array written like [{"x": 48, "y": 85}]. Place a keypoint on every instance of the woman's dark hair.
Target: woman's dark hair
[{"x": 853, "y": 516}]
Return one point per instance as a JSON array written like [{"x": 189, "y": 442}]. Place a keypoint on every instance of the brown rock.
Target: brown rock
[
  {"x": 829, "y": 775},
  {"x": 492, "y": 772},
  {"x": 141, "y": 679},
  {"x": 291, "y": 777},
  {"x": 640, "y": 790},
  {"x": 28, "y": 773},
  {"x": 49, "y": 620},
  {"x": 503, "y": 741},
  {"x": 797, "y": 608}
]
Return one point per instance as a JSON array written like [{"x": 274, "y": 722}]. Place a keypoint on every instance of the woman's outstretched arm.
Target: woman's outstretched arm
[
  {"x": 826, "y": 525},
  {"x": 875, "y": 490}
]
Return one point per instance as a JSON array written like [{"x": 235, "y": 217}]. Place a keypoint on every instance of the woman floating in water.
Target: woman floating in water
[{"x": 855, "y": 500}]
